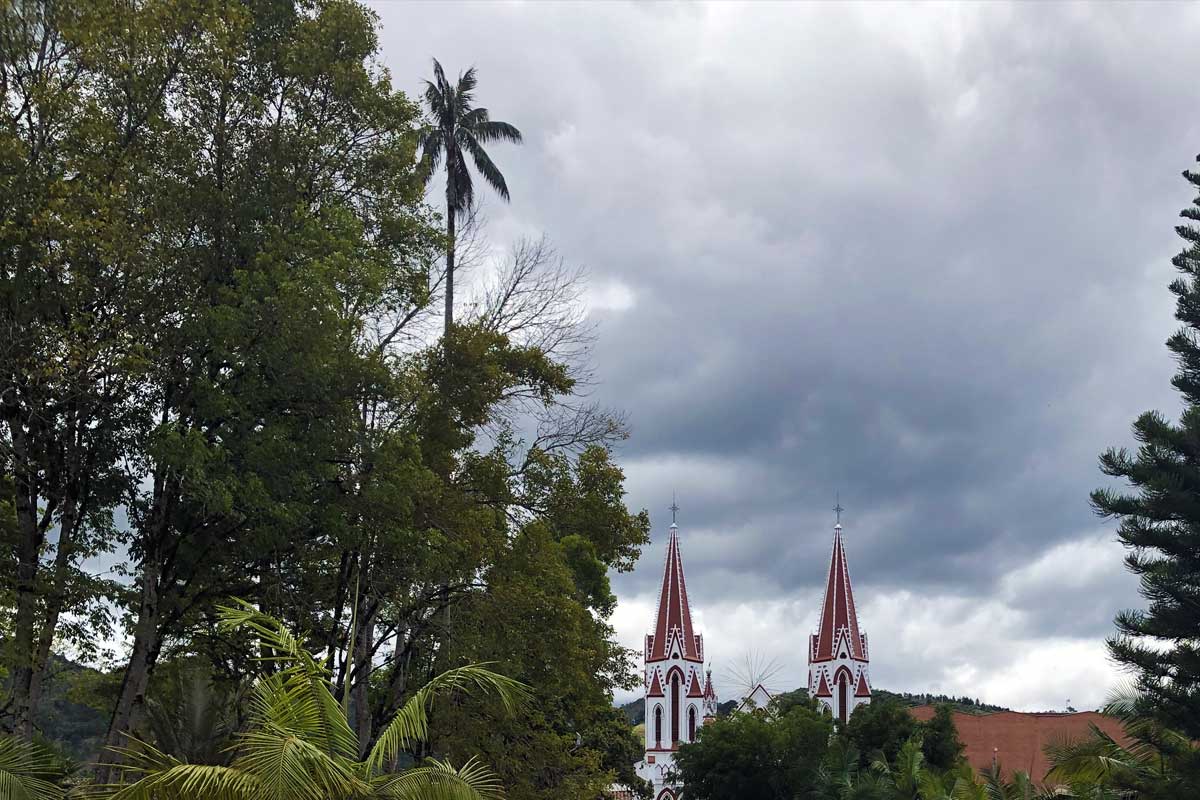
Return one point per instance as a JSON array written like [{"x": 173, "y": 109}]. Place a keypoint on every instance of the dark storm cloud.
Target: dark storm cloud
[{"x": 917, "y": 255}]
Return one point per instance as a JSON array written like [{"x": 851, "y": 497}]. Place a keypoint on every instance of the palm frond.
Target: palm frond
[
  {"x": 495, "y": 131},
  {"x": 433, "y": 99},
  {"x": 483, "y": 162},
  {"x": 431, "y": 151},
  {"x": 27, "y": 771},
  {"x": 439, "y": 780},
  {"x": 463, "y": 188},
  {"x": 187, "y": 781},
  {"x": 439, "y": 75},
  {"x": 411, "y": 722},
  {"x": 1093, "y": 759},
  {"x": 288, "y": 767},
  {"x": 464, "y": 92},
  {"x": 297, "y": 698}
]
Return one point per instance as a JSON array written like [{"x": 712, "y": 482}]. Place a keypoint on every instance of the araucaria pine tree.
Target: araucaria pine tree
[{"x": 1160, "y": 517}]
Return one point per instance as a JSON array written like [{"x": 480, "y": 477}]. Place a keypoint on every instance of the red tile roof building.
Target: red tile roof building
[{"x": 1017, "y": 740}]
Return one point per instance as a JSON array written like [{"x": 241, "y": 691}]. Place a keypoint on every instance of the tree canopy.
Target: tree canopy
[{"x": 219, "y": 281}]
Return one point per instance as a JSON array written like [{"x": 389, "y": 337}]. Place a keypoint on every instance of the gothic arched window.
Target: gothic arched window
[
  {"x": 675, "y": 708},
  {"x": 843, "y": 691},
  {"x": 658, "y": 726},
  {"x": 691, "y": 723}
]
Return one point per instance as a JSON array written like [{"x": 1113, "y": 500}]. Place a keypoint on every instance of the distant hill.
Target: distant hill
[
  {"x": 77, "y": 729},
  {"x": 635, "y": 710},
  {"x": 967, "y": 705}
]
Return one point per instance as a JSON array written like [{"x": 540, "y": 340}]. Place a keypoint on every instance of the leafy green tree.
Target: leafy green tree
[
  {"x": 534, "y": 621},
  {"x": 286, "y": 193},
  {"x": 879, "y": 728},
  {"x": 221, "y": 259},
  {"x": 1160, "y": 519},
  {"x": 299, "y": 742},
  {"x": 755, "y": 756},
  {"x": 457, "y": 133},
  {"x": 72, "y": 154},
  {"x": 940, "y": 744}
]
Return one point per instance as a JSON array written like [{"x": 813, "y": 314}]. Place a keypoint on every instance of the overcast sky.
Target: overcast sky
[{"x": 917, "y": 255}]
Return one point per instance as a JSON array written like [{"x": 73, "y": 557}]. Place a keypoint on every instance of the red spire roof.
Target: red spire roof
[
  {"x": 823, "y": 688},
  {"x": 695, "y": 690},
  {"x": 656, "y": 689},
  {"x": 709, "y": 692},
  {"x": 674, "y": 614},
  {"x": 837, "y": 612},
  {"x": 863, "y": 690}
]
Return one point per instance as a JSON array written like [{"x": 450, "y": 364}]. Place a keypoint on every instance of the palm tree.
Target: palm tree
[
  {"x": 459, "y": 130},
  {"x": 1021, "y": 787},
  {"x": 1154, "y": 762},
  {"x": 28, "y": 771},
  {"x": 299, "y": 744},
  {"x": 191, "y": 715}
]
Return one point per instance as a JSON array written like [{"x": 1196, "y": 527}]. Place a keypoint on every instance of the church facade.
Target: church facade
[{"x": 679, "y": 694}]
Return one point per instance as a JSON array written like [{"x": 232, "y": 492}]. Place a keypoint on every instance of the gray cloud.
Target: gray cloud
[{"x": 917, "y": 255}]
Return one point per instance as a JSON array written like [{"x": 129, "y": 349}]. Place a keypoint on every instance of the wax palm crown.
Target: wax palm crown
[{"x": 458, "y": 131}]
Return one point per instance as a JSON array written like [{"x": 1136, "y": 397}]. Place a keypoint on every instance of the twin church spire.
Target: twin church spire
[{"x": 679, "y": 697}]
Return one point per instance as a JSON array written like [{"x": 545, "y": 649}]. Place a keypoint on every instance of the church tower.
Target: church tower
[
  {"x": 679, "y": 694},
  {"x": 838, "y": 658}
]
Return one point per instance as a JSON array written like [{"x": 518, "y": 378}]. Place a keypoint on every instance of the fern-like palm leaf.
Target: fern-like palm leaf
[
  {"x": 27, "y": 771},
  {"x": 411, "y": 722}
]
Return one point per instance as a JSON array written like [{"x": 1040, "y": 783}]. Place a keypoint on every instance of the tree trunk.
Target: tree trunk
[
  {"x": 141, "y": 662},
  {"x": 28, "y": 549},
  {"x": 146, "y": 633},
  {"x": 360, "y": 674},
  {"x": 450, "y": 223},
  {"x": 68, "y": 528}
]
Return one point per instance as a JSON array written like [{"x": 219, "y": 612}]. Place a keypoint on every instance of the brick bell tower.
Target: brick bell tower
[
  {"x": 679, "y": 696},
  {"x": 838, "y": 658}
]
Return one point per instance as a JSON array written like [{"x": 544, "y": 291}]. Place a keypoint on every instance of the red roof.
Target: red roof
[
  {"x": 656, "y": 689},
  {"x": 709, "y": 691},
  {"x": 674, "y": 614},
  {"x": 837, "y": 612},
  {"x": 695, "y": 690},
  {"x": 1017, "y": 740},
  {"x": 863, "y": 690},
  {"x": 823, "y": 688}
]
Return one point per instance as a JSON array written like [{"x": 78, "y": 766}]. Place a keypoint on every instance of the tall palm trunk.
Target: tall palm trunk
[{"x": 450, "y": 215}]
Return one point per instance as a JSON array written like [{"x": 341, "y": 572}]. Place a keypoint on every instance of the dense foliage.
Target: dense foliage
[
  {"x": 221, "y": 371},
  {"x": 757, "y": 755},
  {"x": 794, "y": 749},
  {"x": 1153, "y": 762}
]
